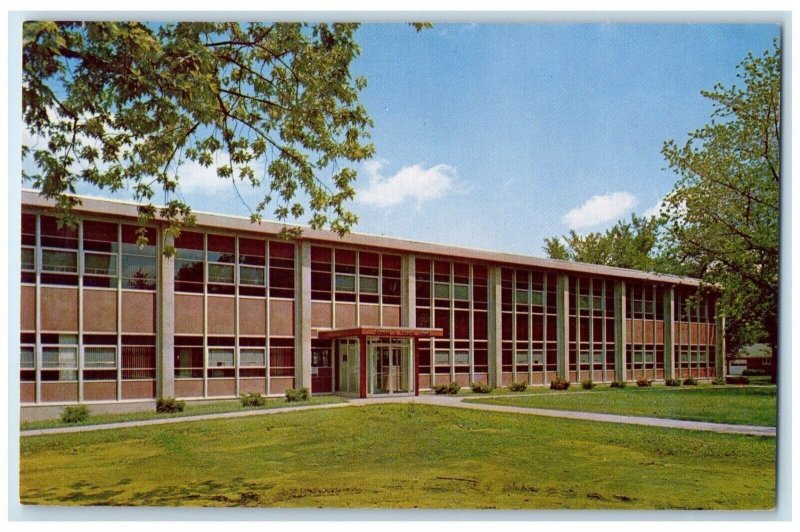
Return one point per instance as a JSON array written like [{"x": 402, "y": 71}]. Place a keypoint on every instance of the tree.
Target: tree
[
  {"x": 118, "y": 104},
  {"x": 631, "y": 244},
  {"x": 723, "y": 213}
]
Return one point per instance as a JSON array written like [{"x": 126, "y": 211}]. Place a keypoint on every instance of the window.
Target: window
[
  {"x": 461, "y": 358},
  {"x": 345, "y": 283},
  {"x": 221, "y": 257},
  {"x": 281, "y": 357},
  {"x": 28, "y": 259},
  {"x": 461, "y": 292},
  {"x": 100, "y": 264},
  {"x": 220, "y": 362},
  {"x": 441, "y": 358},
  {"x": 138, "y": 357},
  {"x": 60, "y": 363},
  {"x": 188, "y": 357},
  {"x": 281, "y": 269},
  {"x": 59, "y": 261},
  {"x": 441, "y": 290},
  {"x": 100, "y": 363},
  {"x": 320, "y": 358},
  {"x": 368, "y": 285},
  {"x": 584, "y": 359},
  {"x": 522, "y": 358},
  {"x": 537, "y": 358},
  {"x": 522, "y": 297},
  {"x": 27, "y": 360},
  {"x": 537, "y": 299},
  {"x": 252, "y": 362},
  {"x": 252, "y": 267},
  {"x": 138, "y": 262},
  {"x": 189, "y": 262}
]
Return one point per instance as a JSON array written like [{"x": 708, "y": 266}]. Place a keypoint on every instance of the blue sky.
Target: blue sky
[{"x": 497, "y": 136}]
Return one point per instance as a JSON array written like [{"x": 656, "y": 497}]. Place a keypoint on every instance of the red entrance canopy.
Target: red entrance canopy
[{"x": 385, "y": 332}]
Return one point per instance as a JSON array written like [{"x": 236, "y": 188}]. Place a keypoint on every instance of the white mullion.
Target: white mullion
[
  {"x": 530, "y": 327},
  {"x": 452, "y": 324},
  {"x": 236, "y": 314},
  {"x": 544, "y": 327},
  {"x": 267, "y": 314},
  {"x": 119, "y": 312},
  {"x": 471, "y": 296},
  {"x": 80, "y": 311},
  {"x": 513, "y": 326},
  {"x": 205, "y": 314},
  {"x": 37, "y": 354}
]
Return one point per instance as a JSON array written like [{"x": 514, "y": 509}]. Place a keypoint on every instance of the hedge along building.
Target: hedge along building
[{"x": 109, "y": 323}]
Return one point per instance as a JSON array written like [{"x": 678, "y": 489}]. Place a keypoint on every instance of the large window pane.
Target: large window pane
[
  {"x": 99, "y": 264},
  {"x": 251, "y": 276},
  {"x": 345, "y": 283},
  {"x": 100, "y": 357},
  {"x": 59, "y": 261},
  {"x": 26, "y": 357},
  {"x": 220, "y": 273},
  {"x": 60, "y": 357},
  {"x": 368, "y": 285},
  {"x": 28, "y": 259}
]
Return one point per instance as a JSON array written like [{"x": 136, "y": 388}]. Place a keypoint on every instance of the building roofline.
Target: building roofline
[{"x": 129, "y": 209}]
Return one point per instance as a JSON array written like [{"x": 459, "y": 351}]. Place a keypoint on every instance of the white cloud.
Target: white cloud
[
  {"x": 655, "y": 210},
  {"x": 410, "y": 183},
  {"x": 196, "y": 179},
  {"x": 600, "y": 209}
]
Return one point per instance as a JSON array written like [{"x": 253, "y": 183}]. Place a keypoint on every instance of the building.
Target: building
[{"x": 111, "y": 324}]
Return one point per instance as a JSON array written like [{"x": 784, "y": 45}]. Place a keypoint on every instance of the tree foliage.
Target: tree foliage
[
  {"x": 628, "y": 244},
  {"x": 723, "y": 213},
  {"x": 125, "y": 104}
]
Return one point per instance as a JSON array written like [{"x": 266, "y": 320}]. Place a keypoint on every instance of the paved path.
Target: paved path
[
  {"x": 439, "y": 400},
  {"x": 459, "y": 402}
]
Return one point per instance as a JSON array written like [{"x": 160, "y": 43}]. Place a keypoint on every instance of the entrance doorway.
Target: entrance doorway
[{"x": 390, "y": 368}]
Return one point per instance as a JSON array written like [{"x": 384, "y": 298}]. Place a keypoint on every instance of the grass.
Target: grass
[
  {"x": 400, "y": 456},
  {"x": 192, "y": 409},
  {"x": 721, "y": 404}
]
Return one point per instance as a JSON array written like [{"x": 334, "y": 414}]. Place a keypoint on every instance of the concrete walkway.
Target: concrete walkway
[
  {"x": 438, "y": 400},
  {"x": 459, "y": 402}
]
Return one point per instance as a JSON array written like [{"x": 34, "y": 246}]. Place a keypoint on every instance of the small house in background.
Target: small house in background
[{"x": 754, "y": 356}]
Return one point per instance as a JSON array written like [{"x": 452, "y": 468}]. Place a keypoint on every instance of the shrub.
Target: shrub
[
  {"x": 453, "y": 388},
  {"x": 717, "y": 381},
  {"x": 440, "y": 389},
  {"x": 296, "y": 394},
  {"x": 559, "y": 384},
  {"x": 518, "y": 386},
  {"x": 75, "y": 414},
  {"x": 672, "y": 382},
  {"x": 737, "y": 379},
  {"x": 643, "y": 382},
  {"x": 753, "y": 372},
  {"x": 169, "y": 405},
  {"x": 252, "y": 399},
  {"x": 618, "y": 384},
  {"x": 690, "y": 381},
  {"x": 480, "y": 387},
  {"x": 587, "y": 384}
]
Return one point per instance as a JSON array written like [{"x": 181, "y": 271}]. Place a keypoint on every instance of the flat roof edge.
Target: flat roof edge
[{"x": 128, "y": 209}]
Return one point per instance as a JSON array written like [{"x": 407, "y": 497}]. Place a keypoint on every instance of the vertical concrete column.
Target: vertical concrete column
[
  {"x": 302, "y": 316},
  {"x": 408, "y": 292},
  {"x": 165, "y": 363},
  {"x": 719, "y": 342},
  {"x": 562, "y": 326},
  {"x": 495, "y": 316},
  {"x": 669, "y": 332},
  {"x": 620, "y": 331}
]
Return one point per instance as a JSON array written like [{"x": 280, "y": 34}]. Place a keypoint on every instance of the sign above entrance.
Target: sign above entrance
[{"x": 383, "y": 332}]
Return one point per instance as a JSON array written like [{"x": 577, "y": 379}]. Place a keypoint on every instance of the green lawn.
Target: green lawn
[
  {"x": 400, "y": 456},
  {"x": 722, "y": 404},
  {"x": 192, "y": 409}
]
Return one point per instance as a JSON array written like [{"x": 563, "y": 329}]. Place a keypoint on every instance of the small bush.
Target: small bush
[
  {"x": 450, "y": 389},
  {"x": 737, "y": 379},
  {"x": 753, "y": 372},
  {"x": 453, "y": 388},
  {"x": 559, "y": 384},
  {"x": 296, "y": 394},
  {"x": 587, "y": 384},
  {"x": 252, "y": 399},
  {"x": 690, "y": 381},
  {"x": 169, "y": 405},
  {"x": 643, "y": 382},
  {"x": 718, "y": 381},
  {"x": 672, "y": 382},
  {"x": 518, "y": 386},
  {"x": 480, "y": 387},
  {"x": 618, "y": 384},
  {"x": 75, "y": 414}
]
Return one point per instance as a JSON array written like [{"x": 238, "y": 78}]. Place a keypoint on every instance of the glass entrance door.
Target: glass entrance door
[
  {"x": 389, "y": 368},
  {"x": 348, "y": 366}
]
